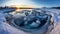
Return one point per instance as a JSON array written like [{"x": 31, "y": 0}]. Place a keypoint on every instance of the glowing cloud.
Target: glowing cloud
[{"x": 21, "y": 2}]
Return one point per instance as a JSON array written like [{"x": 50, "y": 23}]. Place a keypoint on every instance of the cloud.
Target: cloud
[
  {"x": 2, "y": 2},
  {"x": 21, "y": 2}
]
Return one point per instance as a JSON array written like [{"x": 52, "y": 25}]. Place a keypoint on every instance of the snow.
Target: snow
[{"x": 5, "y": 28}]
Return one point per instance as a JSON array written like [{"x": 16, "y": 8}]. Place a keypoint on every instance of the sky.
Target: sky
[{"x": 36, "y": 3}]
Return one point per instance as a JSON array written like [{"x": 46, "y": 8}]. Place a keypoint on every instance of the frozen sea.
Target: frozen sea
[{"x": 5, "y": 28}]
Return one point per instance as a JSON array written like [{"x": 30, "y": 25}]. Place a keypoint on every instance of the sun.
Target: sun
[{"x": 19, "y": 7}]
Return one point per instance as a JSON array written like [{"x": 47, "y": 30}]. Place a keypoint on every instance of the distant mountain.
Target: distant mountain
[
  {"x": 56, "y": 7},
  {"x": 6, "y": 9}
]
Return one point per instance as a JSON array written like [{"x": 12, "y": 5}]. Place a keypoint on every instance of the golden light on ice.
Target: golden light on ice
[{"x": 19, "y": 7}]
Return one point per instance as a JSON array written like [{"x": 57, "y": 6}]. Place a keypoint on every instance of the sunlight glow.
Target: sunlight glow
[{"x": 21, "y": 2}]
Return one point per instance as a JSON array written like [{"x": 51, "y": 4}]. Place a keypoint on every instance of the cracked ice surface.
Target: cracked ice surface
[
  {"x": 56, "y": 16},
  {"x": 5, "y": 28}
]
